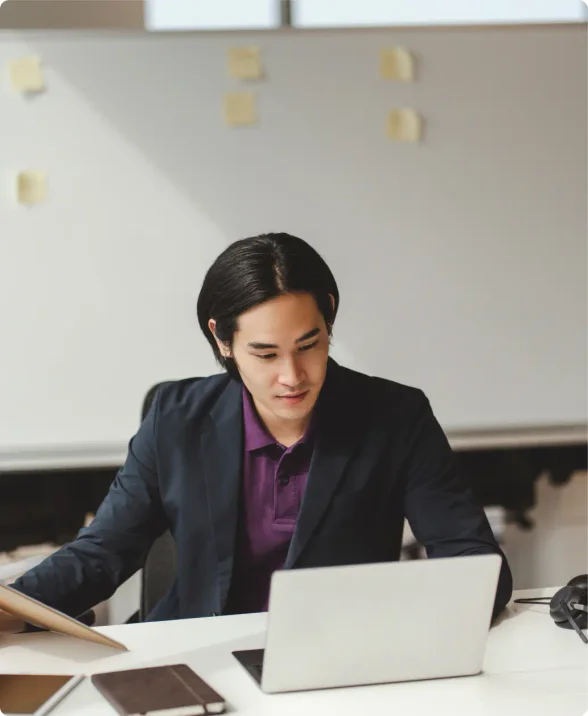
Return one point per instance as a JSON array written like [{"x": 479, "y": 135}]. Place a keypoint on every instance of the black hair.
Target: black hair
[{"x": 254, "y": 270}]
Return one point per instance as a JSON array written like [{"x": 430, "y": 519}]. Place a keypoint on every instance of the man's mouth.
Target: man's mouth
[{"x": 293, "y": 398}]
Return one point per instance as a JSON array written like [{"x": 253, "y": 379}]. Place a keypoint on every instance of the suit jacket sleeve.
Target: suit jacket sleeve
[
  {"x": 439, "y": 505},
  {"x": 114, "y": 546}
]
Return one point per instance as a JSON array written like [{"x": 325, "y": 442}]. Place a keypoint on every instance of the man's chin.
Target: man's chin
[
  {"x": 296, "y": 412},
  {"x": 293, "y": 414}
]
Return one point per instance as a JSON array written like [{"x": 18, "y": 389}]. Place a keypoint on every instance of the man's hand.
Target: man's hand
[{"x": 10, "y": 624}]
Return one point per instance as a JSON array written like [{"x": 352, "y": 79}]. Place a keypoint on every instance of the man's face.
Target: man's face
[{"x": 281, "y": 349}]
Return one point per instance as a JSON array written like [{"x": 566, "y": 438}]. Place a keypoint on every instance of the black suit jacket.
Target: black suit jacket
[{"x": 380, "y": 455}]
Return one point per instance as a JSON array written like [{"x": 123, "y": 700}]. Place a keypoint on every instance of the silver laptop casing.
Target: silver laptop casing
[{"x": 378, "y": 623}]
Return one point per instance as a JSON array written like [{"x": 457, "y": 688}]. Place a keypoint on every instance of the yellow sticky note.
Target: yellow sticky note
[
  {"x": 31, "y": 187},
  {"x": 397, "y": 63},
  {"x": 405, "y": 125},
  {"x": 244, "y": 63},
  {"x": 239, "y": 108},
  {"x": 26, "y": 74}
]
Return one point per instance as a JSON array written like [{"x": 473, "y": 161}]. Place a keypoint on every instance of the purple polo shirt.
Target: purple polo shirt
[{"x": 273, "y": 481}]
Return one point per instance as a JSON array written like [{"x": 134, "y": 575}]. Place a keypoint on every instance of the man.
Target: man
[{"x": 286, "y": 460}]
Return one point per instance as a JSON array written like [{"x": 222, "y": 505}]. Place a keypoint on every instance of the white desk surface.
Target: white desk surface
[{"x": 531, "y": 667}]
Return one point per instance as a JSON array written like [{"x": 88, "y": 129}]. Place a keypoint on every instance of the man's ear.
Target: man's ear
[
  {"x": 330, "y": 325},
  {"x": 225, "y": 351}
]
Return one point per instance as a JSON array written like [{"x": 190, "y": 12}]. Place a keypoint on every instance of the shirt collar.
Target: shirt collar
[{"x": 256, "y": 434}]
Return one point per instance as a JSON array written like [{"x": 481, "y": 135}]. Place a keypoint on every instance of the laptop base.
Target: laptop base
[{"x": 252, "y": 661}]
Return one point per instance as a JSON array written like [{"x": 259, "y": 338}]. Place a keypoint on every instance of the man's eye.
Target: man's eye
[
  {"x": 266, "y": 356},
  {"x": 307, "y": 347}
]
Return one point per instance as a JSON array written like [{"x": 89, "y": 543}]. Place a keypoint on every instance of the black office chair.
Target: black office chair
[
  {"x": 158, "y": 573},
  {"x": 159, "y": 569},
  {"x": 160, "y": 565}
]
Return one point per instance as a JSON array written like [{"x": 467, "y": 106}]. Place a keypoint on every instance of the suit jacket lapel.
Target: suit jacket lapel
[
  {"x": 221, "y": 445},
  {"x": 334, "y": 444}
]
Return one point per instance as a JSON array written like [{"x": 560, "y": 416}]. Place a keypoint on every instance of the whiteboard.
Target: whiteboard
[{"x": 461, "y": 261}]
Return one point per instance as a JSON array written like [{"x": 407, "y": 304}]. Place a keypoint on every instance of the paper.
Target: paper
[
  {"x": 26, "y": 74},
  {"x": 239, "y": 109},
  {"x": 245, "y": 63},
  {"x": 405, "y": 125},
  {"x": 31, "y": 187},
  {"x": 397, "y": 63}
]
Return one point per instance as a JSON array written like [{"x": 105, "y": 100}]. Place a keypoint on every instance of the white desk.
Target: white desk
[{"x": 531, "y": 667}]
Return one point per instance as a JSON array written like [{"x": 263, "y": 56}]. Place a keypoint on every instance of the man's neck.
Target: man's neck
[{"x": 286, "y": 432}]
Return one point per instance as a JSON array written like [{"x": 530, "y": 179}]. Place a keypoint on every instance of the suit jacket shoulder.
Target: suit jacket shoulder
[
  {"x": 383, "y": 400},
  {"x": 189, "y": 398}
]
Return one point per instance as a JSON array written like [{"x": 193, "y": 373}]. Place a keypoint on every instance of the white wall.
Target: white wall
[
  {"x": 98, "y": 284},
  {"x": 462, "y": 261}
]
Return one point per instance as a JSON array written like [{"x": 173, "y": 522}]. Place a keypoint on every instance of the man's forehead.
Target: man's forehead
[{"x": 283, "y": 334}]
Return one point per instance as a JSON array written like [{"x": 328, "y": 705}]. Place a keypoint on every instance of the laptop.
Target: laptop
[{"x": 375, "y": 623}]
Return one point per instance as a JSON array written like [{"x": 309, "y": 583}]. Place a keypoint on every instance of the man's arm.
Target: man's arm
[
  {"x": 439, "y": 505},
  {"x": 114, "y": 546}
]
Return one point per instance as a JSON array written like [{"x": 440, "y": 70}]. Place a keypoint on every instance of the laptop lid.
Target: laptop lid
[{"x": 378, "y": 623}]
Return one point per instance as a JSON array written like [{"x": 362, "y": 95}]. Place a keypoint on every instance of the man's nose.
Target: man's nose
[{"x": 291, "y": 373}]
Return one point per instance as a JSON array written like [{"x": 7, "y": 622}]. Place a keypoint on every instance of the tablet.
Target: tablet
[
  {"x": 34, "y": 612},
  {"x": 34, "y": 694}
]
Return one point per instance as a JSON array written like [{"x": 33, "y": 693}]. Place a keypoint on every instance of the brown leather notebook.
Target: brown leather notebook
[{"x": 173, "y": 690}]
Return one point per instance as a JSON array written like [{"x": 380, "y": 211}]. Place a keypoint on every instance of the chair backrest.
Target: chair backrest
[
  {"x": 160, "y": 565},
  {"x": 148, "y": 399},
  {"x": 158, "y": 573}
]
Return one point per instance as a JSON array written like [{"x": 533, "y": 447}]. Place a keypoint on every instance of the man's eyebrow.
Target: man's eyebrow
[
  {"x": 269, "y": 346},
  {"x": 310, "y": 334},
  {"x": 261, "y": 346}
]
